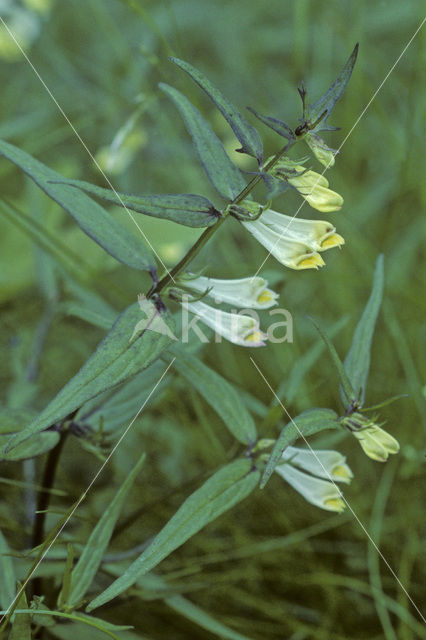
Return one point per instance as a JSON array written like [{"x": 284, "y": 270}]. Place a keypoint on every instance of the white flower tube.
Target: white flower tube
[
  {"x": 320, "y": 493},
  {"x": 319, "y": 235},
  {"x": 290, "y": 252},
  {"x": 327, "y": 464},
  {"x": 245, "y": 293},
  {"x": 237, "y": 328}
]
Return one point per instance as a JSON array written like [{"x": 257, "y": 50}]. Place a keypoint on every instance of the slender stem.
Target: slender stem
[
  {"x": 44, "y": 499},
  {"x": 207, "y": 234}
]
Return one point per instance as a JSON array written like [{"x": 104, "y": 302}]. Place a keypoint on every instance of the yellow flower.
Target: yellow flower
[
  {"x": 311, "y": 185},
  {"x": 376, "y": 443}
]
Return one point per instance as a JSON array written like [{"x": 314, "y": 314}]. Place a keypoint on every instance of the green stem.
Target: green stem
[{"x": 207, "y": 234}]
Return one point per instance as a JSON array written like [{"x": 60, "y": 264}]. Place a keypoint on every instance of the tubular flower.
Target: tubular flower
[
  {"x": 376, "y": 443},
  {"x": 324, "y": 464},
  {"x": 237, "y": 328},
  {"x": 321, "y": 151},
  {"x": 319, "y": 235},
  {"x": 292, "y": 253},
  {"x": 311, "y": 185},
  {"x": 327, "y": 464},
  {"x": 246, "y": 293}
]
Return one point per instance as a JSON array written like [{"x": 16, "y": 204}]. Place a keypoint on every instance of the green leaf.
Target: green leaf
[
  {"x": 357, "y": 362},
  {"x": 348, "y": 392},
  {"x": 12, "y": 422},
  {"x": 328, "y": 101},
  {"x": 29, "y": 448},
  {"x": 202, "y": 619},
  {"x": 95, "y": 221},
  {"x": 21, "y": 623},
  {"x": 223, "y": 490},
  {"x": 278, "y": 126},
  {"x": 306, "y": 424},
  {"x": 184, "y": 208},
  {"x": 220, "y": 395},
  {"x": 66, "y": 579},
  {"x": 221, "y": 172},
  {"x": 133, "y": 343},
  {"x": 244, "y": 131},
  {"x": 91, "y": 558},
  {"x": 7, "y": 573}
]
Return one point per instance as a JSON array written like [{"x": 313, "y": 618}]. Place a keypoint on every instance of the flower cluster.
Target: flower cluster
[
  {"x": 296, "y": 243},
  {"x": 314, "y": 475}
]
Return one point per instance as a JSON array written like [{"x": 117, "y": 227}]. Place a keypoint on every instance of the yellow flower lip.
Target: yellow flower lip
[
  {"x": 256, "y": 337},
  {"x": 342, "y": 472},
  {"x": 265, "y": 296},
  {"x": 333, "y": 240},
  {"x": 313, "y": 261},
  {"x": 335, "y": 504}
]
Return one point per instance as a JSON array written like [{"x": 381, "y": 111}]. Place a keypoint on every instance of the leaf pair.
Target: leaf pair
[{"x": 319, "y": 110}]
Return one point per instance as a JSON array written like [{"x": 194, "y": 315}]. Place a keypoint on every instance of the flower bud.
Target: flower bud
[
  {"x": 311, "y": 185},
  {"x": 321, "y": 151},
  {"x": 376, "y": 443}
]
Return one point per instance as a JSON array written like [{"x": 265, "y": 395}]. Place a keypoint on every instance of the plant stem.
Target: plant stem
[
  {"x": 207, "y": 234},
  {"x": 44, "y": 499}
]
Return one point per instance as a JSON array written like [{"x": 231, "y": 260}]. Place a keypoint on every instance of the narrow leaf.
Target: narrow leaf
[
  {"x": 221, "y": 172},
  {"x": 202, "y": 619},
  {"x": 349, "y": 394},
  {"x": 136, "y": 339},
  {"x": 244, "y": 131},
  {"x": 95, "y": 221},
  {"x": 222, "y": 491},
  {"x": 220, "y": 395},
  {"x": 278, "y": 126},
  {"x": 21, "y": 624},
  {"x": 357, "y": 362},
  {"x": 328, "y": 101},
  {"x": 66, "y": 580},
  {"x": 306, "y": 424},
  {"x": 91, "y": 558},
  {"x": 7, "y": 575},
  {"x": 184, "y": 208},
  {"x": 30, "y": 448}
]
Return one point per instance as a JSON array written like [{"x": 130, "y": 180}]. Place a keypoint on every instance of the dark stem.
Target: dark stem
[
  {"x": 207, "y": 234},
  {"x": 44, "y": 497}
]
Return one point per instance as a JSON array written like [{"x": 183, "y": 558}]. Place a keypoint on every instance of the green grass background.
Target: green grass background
[{"x": 276, "y": 567}]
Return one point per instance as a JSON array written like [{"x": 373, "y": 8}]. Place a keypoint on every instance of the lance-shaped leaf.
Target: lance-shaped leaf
[
  {"x": 11, "y": 422},
  {"x": 95, "y": 221},
  {"x": 357, "y": 362},
  {"x": 306, "y": 424},
  {"x": 21, "y": 624},
  {"x": 278, "y": 126},
  {"x": 220, "y": 395},
  {"x": 200, "y": 617},
  {"x": 134, "y": 342},
  {"x": 328, "y": 101},
  {"x": 222, "y": 491},
  {"x": 347, "y": 392},
  {"x": 244, "y": 131},
  {"x": 184, "y": 208},
  {"x": 7, "y": 573},
  {"x": 222, "y": 173},
  {"x": 91, "y": 558}
]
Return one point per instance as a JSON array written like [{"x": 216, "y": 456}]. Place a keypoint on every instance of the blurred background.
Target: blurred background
[{"x": 276, "y": 567}]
